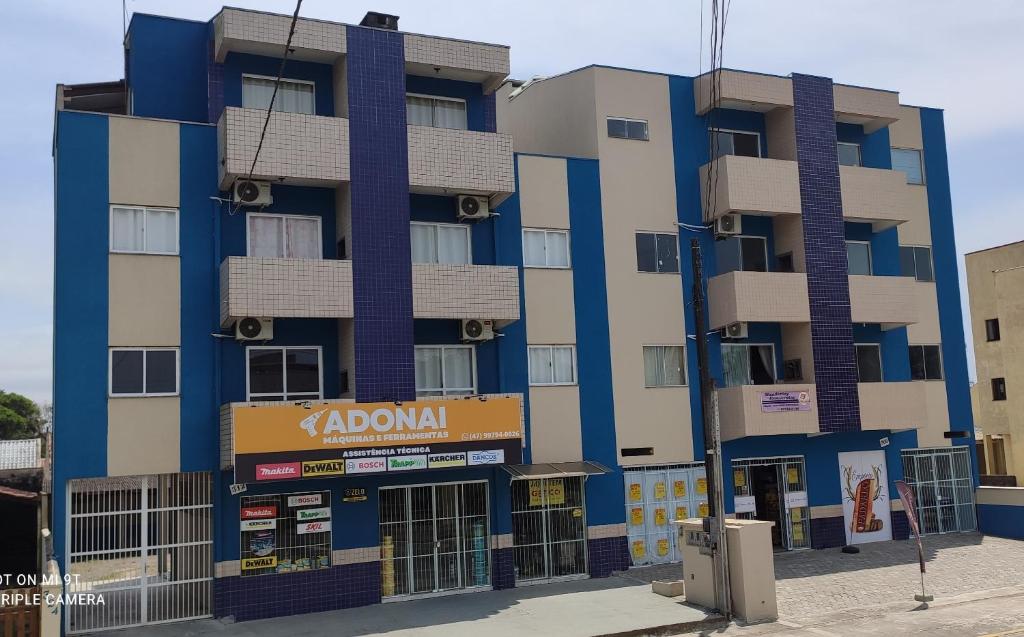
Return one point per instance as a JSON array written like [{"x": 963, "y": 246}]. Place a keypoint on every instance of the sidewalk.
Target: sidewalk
[{"x": 581, "y": 608}]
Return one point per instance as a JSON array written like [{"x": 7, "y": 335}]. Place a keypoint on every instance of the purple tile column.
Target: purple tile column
[
  {"x": 381, "y": 253},
  {"x": 828, "y": 533},
  {"x": 828, "y": 288},
  {"x": 214, "y": 86},
  {"x": 607, "y": 555},
  {"x": 490, "y": 113}
]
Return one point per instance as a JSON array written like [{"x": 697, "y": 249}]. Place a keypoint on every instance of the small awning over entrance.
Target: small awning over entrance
[{"x": 556, "y": 469}]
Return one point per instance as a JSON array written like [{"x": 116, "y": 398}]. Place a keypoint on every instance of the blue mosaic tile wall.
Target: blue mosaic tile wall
[
  {"x": 828, "y": 533},
  {"x": 835, "y": 368},
  {"x": 381, "y": 261},
  {"x": 607, "y": 554},
  {"x": 214, "y": 85},
  {"x": 263, "y": 596},
  {"x": 490, "y": 113},
  {"x": 503, "y": 568},
  {"x": 900, "y": 525}
]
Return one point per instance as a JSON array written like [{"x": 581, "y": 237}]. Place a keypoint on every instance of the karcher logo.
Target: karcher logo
[
  {"x": 314, "y": 468},
  {"x": 252, "y": 563}
]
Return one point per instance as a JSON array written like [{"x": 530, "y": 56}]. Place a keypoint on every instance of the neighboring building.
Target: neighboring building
[
  {"x": 995, "y": 279},
  {"x": 359, "y": 383},
  {"x": 24, "y": 505}
]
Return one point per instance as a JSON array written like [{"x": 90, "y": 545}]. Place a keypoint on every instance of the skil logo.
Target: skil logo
[
  {"x": 279, "y": 471},
  {"x": 313, "y": 527},
  {"x": 381, "y": 420},
  {"x": 252, "y": 513},
  {"x": 493, "y": 456},
  {"x": 323, "y": 468}
]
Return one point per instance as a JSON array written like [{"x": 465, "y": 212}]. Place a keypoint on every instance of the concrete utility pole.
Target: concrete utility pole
[{"x": 715, "y": 522}]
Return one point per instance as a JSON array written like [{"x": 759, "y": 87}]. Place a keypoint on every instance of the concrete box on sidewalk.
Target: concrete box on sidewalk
[{"x": 751, "y": 567}]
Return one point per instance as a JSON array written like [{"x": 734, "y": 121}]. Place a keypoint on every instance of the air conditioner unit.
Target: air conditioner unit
[
  {"x": 252, "y": 193},
  {"x": 474, "y": 330},
  {"x": 254, "y": 329},
  {"x": 728, "y": 225},
  {"x": 473, "y": 208},
  {"x": 735, "y": 330}
]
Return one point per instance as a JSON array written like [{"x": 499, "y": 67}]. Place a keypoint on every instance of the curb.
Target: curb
[{"x": 710, "y": 622}]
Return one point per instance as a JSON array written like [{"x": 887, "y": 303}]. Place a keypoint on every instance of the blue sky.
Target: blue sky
[{"x": 943, "y": 53}]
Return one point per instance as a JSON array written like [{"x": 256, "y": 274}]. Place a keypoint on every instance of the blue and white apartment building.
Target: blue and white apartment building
[{"x": 436, "y": 335}]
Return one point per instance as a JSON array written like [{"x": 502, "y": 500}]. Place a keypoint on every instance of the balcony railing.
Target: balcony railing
[
  {"x": 322, "y": 288},
  {"x": 452, "y": 161}
]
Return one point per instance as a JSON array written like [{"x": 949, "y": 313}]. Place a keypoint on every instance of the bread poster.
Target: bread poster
[{"x": 865, "y": 488}]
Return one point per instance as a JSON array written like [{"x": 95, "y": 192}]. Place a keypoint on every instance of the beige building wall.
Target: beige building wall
[
  {"x": 555, "y": 427},
  {"x": 567, "y": 105},
  {"x": 638, "y": 194},
  {"x": 143, "y": 434},
  {"x": 995, "y": 281},
  {"x": 543, "y": 192}
]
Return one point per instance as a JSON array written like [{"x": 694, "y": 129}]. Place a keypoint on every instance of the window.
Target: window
[
  {"x": 747, "y": 364},
  {"x": 784, "y": 262},
  {"x": 916, "y": 261},
  {"x": 656, "y": 252},
  {"x": 440, "y": 243},
  {"x": 747, "y": 254},
  {"x": 908, "y": 160},
  {"x": 998, "y": 389},
  {"x": 143, "y": 230},
  {"x": 992, "y": 329},
  {"x": 445, "y": 370},
  {"x": 869, "y": 363},
  {"x": 284, "y": 236},
  {"x": 285, "y": 532},
  {"x": 849, "y": 154},
  {"x": 858, "y": 257},
  {"x": 293, "y": 96},
  {"x": 546, "y": 248},
  {"x": 664, "y": 366},
  {"x": 625, "y": 128},
  {"x": 737, "y": 143},
  {"x": 552, "y": 364},
  {"x": 925, "y": 362},
  {"x": 144, "y": 371},
  {"x": 284, "y": 373},
  {"x": 435, "y": 111}
]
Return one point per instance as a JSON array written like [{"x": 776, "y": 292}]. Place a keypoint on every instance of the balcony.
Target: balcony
[
  {"x": 258, "y": 33},
  {"x": 303, "y": 150},
  {"x": 478, "y": 62},
  {"x": 759, "y": 186},
  {"x": 900, "y": 405},
  {"x": 742, "y": 411},
  {"x": 781, "y": 297},
  {"x": 310, "y": 288},
  {"x": 449, "y": 161}
]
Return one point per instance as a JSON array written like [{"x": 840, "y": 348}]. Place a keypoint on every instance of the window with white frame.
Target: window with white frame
[
  {"x": 445, "y": 370},
  {"x": 849, "y": 153},
  {"x": 748, "y": 364},
  {"x": 858, "y": 257},
  {"x": 908, "y": 161},
  {"x": 440, "y": 243},
  {"x": 545, "y": 248},
  {"x": 435, "y": 111},
  {"x": 143, "y": 230},
  {"x": 284, "y": 373},
  {"x": 664, "y": 366},
  {"x": 552, "y": 364},
  {"x": 284, "y": 236},
  {"x": 627, "y": 128},
  {"x": 293, "y": 96},
  {"x": 143, "y": 371}
]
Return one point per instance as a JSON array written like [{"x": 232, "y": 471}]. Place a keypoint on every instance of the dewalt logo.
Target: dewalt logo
[
  {"x": 313, "y": 468},
  {"x": 251, "y": 563}
]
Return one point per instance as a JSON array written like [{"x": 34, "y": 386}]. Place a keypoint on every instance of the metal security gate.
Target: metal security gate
[
  {"x": 549, "y": 529},
  {"x": 434, "y": 538},
  {"x": 774, "y": 489},
  {"x": 943, "y": 490},
  {"x": 656, "y": 495},
  {"x": 145, "y": 543}
]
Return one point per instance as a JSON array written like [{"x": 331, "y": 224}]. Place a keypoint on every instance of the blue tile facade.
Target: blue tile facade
[
  {"x": 607, "y": 555},
  {"x": 503, "y": 568},
  {"x": 263, "y": 596},
  {"x": 900, "y": 525},
  {"x": 828, "y": 288},
  {"x": 490, "y": 113},
  {"x": 381, "y": 263},
  {"x": 828, "y": 533}
]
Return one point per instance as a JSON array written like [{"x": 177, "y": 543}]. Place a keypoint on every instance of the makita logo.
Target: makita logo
[
  {"x": 278, "y": 471},
  {"x": 249, "y": 513}
]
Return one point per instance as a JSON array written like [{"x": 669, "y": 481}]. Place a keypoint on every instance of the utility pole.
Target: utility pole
[{"x": 715, "y": 522}]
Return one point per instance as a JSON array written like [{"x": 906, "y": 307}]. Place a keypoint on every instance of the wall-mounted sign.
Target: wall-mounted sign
[
  {"x": 250, "y": 513},
  {"x": 262, "y": 543},
  {"x": 320, "y": 526},
  {"x": 257, "y": 525},
  {"x": 252, "y": 563},
  {"x": 744, "y": 504},
  {"x": 235, "y": 489},
  {"x": 406, "y": 463},
  {"x": 796, "y": 499},
  {"x": 321, "y": 513},
  {"x": 865, "y": 488},
  {"x": 304, "y": 500},
  {"x": 775, "y": 401},
  {"x": 354, "y": 494},
  {"x": 287, "y": 441}
]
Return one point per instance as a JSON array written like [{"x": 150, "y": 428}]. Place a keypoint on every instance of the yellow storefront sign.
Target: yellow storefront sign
[
  {"x": 702, "y": 510},
  {"x": 636, "y": 516},
  {"x": 663, "y": 547},
  {"x": 251, "y": 563},
  {"x": 739, "y": 478},
  {"x": 702, "y": 486},
  {"x": 660, "y": 517},
  {"x": 798, "y": 532},
  {"x": 338, "y": 425},
  {"x": 681, "y": 513},
  {"x": 315, "y": 468},
  {"x": 636, "y": 492},
  {"x": 555, "y": 492},
  {"x": 793, "y": 475},
  {"x": 639, "y": 550},
  {"x": 679, "y": 489},
  {"x": 660, "y": 491}
]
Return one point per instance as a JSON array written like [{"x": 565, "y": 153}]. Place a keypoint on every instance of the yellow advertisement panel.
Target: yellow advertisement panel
[
  {"x": 555, "y": 492},
  {"x": 636, "y": 516},
  {"x": 702, "y": 510},
  {"x": 681, "y": 513},
  {"x": 340, "y": 425},
  {"x": 317, "y": 468},
  {"x": 250, "y": 563},
  {"x": 635, "y": 492},
  {"x": 739, "y": 478},
  {"x": 660, "y": 491},
  {"x": 638, "y": 548},
  {"x": 702, "y": 486},
  {"x": 660, "y": 517},
  {"x": 679, "y": 489},
  {"x": 662, "y": 547}
]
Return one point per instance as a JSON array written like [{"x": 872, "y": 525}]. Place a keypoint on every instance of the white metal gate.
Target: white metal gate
[
  {"x": 549, "y": 529},
  {"x": 146, "y": 544},
  {"x": 943, "y": 490},
  {"x": 656, "y": 495},
  {"x": 434, "y": 538}
]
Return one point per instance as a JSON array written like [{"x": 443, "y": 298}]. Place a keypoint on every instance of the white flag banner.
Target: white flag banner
[{"x": 865, "y": 486}]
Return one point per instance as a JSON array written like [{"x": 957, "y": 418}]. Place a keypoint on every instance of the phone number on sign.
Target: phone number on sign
[{"x": 491, "y": 435}]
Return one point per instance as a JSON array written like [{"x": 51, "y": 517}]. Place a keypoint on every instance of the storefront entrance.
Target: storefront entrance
[
  {"x": 549, "y": 529},
  {"x": 434, "y": 538},
  {"x": 941, "y": 482},
  {"x": 774, "y": 490}
]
